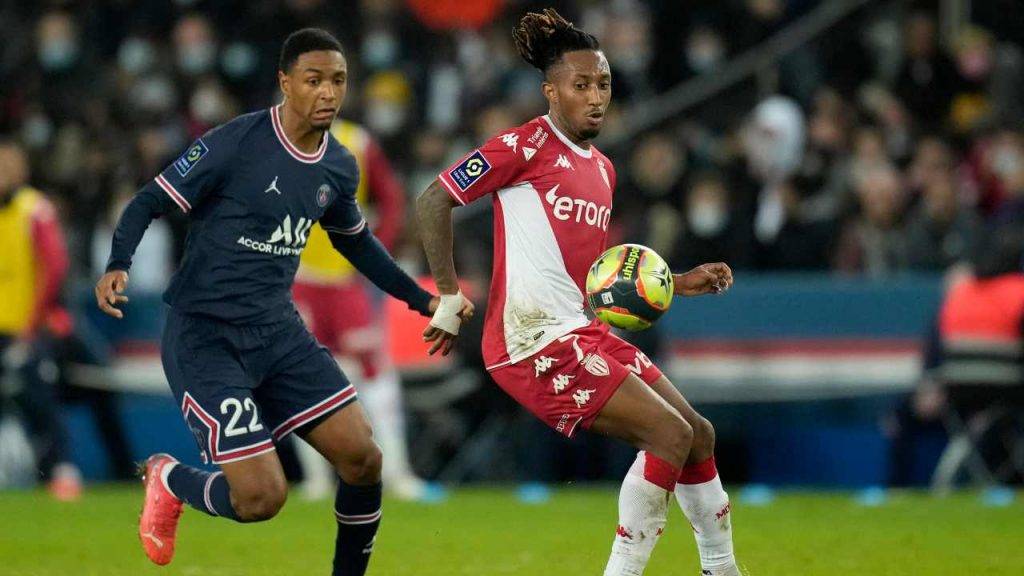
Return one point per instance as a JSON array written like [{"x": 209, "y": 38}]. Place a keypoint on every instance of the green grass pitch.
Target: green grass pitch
[{"x": 488, "y": 532}]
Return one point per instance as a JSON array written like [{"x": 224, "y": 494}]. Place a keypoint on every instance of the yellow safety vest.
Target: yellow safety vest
[{"x": 18, "y": 263}]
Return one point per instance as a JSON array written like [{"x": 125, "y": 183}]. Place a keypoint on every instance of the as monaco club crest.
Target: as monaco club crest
[{"x": 323, "y": 195}]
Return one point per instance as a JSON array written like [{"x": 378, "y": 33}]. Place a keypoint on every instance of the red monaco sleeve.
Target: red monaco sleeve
[
  {"x": 497, "y": 164},
  {"x": 52, "y": 260}
]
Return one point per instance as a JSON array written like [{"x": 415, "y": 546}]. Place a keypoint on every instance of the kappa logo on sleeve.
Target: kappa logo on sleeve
[
  {"x": 191, "y": 157},
  {"x": 469, "y": 170}
]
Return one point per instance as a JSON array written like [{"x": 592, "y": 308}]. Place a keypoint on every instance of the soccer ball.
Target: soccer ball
[{"x": 629, "y": 287}]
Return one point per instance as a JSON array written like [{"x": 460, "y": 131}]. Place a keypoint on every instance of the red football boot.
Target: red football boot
[{"x": 161, "y": 510}]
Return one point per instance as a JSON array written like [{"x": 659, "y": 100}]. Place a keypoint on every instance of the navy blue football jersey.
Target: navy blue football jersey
[{"x": 251, "y": 197}]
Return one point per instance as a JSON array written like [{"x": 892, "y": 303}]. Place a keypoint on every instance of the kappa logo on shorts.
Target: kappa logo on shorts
[
  {"x": 542, "y": 364},
  {"x": 581, "y": 396},
  {"x": 191, "y": 157},
  {"x": 470, "y": 170},
  {"x": 560, "y": 381}
]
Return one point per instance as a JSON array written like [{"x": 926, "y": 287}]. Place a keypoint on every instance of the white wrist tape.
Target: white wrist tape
[{"x": 446, "y": 317}]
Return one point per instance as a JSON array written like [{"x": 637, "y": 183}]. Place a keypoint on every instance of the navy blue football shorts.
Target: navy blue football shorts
[{"x": 241, "y": 388}]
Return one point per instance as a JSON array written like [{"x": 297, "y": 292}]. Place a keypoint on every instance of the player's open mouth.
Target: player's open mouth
[
  {"x": 595, "y": 117},
  {"x": 324, "y": 113}
]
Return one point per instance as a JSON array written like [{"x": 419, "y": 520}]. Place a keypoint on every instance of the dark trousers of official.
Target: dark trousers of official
[{"x": 28, "y": 387}]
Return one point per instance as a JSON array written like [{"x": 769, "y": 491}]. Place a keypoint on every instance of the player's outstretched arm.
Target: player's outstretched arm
[
  {"x": 434, "y": 214},
  {"x": 704, "y": 279},
  {"x": 369, "y": 256},
  {"x": 150, "y": 203}
]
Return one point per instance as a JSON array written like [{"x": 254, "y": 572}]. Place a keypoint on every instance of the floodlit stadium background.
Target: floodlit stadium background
[{"x": 846, "y": 157}]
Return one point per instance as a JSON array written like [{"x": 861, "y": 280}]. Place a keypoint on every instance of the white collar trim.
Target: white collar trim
[
  {"x": 586, "y": 153},
  {"x": 292, "y": 149}
]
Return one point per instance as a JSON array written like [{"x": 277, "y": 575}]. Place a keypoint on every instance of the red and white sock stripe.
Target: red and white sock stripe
[
  {"x": 206, "y": 493},
  {"x": 699, "y": 473},
  {"x": 659, "y": 472},
  {"x": 358, "y": 518}
]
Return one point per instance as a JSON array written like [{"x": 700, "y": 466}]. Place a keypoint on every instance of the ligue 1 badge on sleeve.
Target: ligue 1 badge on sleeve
[
  {"x": 323, "y": 195},
  {"x": 191, "y": 156}
]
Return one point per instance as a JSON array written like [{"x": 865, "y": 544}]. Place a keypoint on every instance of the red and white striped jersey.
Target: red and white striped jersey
[{"x": 552, "y": 203}]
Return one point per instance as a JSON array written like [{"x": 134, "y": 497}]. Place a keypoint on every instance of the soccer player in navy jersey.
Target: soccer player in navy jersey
[{"x": 244, "y": 369}]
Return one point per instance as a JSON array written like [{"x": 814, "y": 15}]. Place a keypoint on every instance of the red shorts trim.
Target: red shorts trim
[{"x": 568, "y": 382}]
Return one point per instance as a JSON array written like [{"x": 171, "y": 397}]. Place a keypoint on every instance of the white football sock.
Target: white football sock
[
  {"x": 706, "y": 506},
  {"x": 382, "y": 399},
  {"x": 643, "y": 508}
]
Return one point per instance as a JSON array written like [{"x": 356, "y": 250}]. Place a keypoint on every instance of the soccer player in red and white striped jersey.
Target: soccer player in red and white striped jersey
[{"x": 552, "y": 196}]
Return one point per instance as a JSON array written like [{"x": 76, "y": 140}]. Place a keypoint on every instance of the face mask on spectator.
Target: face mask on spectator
[
  {"x": 707, "y": 219},
  {"x": 379, "y": 49},
  {"x": 208, "y": 106},
  {"x": 58, "y": 54},
  {"x": 136, "y": 56},
  {"x": 1006, "y": 163},
  {"x": 36, "y": 131},
  {"x": 155, "y": 95},
  {"x": 196, "y": 58},
  {"x": 703, "y": 52},
  {"x": 386, "y": 117},
  {"x": 239, "y": 60}
]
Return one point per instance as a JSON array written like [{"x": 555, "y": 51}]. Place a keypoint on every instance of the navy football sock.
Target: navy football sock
[
  {"x": 357, "y": 509},
  {"x": 205, "y": 491}
]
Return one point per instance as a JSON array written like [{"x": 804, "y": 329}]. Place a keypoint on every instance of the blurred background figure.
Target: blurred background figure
[
  {"x": 875, "y": 244},
  {"x": 974, "y": 371},
  {"x": 32, "y": 273},
  {"x": 338, "y": 306}
]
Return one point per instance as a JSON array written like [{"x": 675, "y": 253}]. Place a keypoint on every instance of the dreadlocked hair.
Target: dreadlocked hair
[{"x": 541, "y": 39}]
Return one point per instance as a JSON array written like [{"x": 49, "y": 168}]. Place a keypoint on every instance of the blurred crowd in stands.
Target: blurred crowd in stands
[
  {"x": 891, "y": 142},
  {"x": 879, "y": 147}
]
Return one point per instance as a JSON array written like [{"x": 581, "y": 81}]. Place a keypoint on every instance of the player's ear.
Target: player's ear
[
  {"x": 284, "y": 82},
  {"x": 548, "y": 89}
]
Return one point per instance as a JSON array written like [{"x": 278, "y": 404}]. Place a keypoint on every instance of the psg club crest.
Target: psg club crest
[{"x": 323, "y": 195}]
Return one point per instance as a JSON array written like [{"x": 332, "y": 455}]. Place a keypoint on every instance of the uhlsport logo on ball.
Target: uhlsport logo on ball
[{"x": 629, "y": 286}]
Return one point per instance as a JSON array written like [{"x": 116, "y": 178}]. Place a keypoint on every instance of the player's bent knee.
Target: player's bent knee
[
  {"x": 704, "y": 438},
  {"x": 261, "y": 503},
  {"x": 362, "y": 468},
  {"x": 670, "y": 437}
]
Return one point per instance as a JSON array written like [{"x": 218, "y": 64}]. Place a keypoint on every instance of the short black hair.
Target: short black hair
[
  {"x": 306, "y": 40},
  {"x": 542, "y": 39}
]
